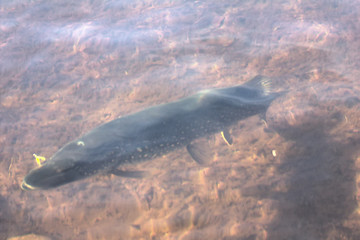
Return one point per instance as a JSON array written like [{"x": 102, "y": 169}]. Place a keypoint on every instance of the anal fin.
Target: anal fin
[{"x": 227, "y": 137}]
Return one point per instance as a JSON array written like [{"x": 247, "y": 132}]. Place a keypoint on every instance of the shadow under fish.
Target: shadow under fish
[
  {"x": 314, "y": 192},
  {"x": 153, "y": 132}
]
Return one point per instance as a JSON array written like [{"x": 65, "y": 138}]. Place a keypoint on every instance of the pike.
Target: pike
[{"x": 153, "y": 132}]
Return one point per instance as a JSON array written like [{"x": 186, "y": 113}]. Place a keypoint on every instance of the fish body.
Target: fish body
[{"x": 150, "y": 133}]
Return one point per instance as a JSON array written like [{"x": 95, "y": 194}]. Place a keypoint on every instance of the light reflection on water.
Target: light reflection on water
[{"x": 67, "y": 67}]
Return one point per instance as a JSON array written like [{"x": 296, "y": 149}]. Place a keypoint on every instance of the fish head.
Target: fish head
[
  {"x": 49, "y": 176},
  {"x": 69, "y": 164}
]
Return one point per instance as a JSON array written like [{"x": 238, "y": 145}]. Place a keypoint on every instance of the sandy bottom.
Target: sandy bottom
[{"x": 68, "y": 68}]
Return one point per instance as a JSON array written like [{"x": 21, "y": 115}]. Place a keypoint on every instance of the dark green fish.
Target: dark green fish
[{"x": 152, "y": 132}]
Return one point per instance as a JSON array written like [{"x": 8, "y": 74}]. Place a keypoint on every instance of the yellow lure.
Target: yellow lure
[{"x": 39, "y": 159}]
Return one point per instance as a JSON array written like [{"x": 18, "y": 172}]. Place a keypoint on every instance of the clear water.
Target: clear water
[{"x": 66, "y": 67}]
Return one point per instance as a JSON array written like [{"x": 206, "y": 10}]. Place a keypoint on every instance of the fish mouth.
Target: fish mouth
[
  {"x": 49, "y": 176},
  {"x": 27, "y": 187}
]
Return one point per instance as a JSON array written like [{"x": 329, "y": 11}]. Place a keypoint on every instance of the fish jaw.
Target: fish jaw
[{"x": 49, "y": 176}]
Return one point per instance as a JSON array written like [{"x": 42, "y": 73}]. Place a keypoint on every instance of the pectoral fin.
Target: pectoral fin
[
  {"x": 129, "y": 174},
  {"x": 200, "y": 151}
]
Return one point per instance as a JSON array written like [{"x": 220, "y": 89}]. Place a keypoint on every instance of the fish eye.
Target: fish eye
[{"x": 74, "y": 145}]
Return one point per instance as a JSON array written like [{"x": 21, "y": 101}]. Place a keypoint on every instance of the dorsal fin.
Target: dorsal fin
[{"x": 260, "y": 82}]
